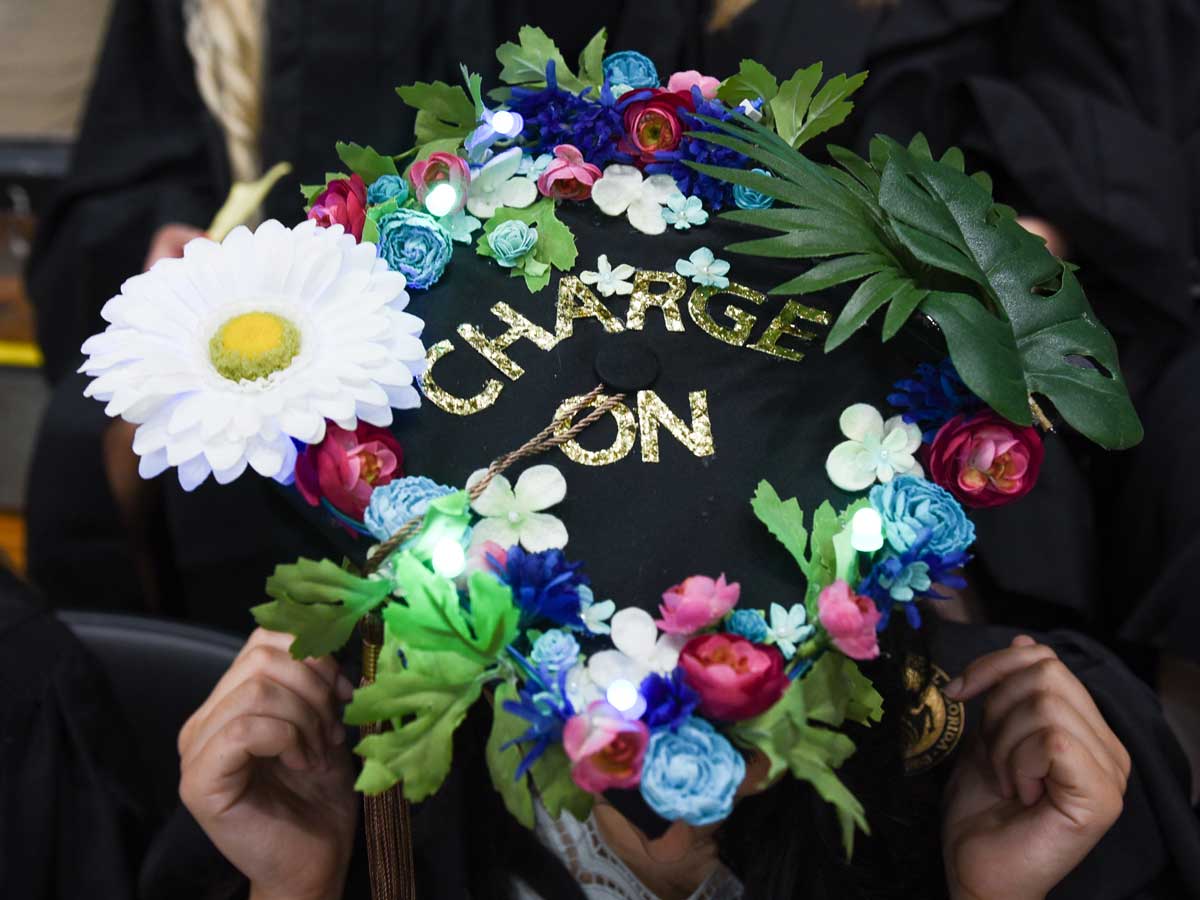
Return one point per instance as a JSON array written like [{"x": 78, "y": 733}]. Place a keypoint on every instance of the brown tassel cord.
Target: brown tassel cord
[{"x": 389, "y": 829}]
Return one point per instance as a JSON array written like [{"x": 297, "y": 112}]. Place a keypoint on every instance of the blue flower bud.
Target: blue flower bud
[
  {"x": 511, "y": 241},
  {"x": 628, "y": 67},
  {"x": 748, "y": 198},
  {"x": 749, "y": 624},
  {"x": 909, "y": 506},
  {"x": 387, "y": 187},
  {"x": 555, "y": 650},
  {"x": 413, "y": 243},
  {"x": 396, "y": 502}
]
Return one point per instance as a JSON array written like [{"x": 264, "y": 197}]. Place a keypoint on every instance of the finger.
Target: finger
[
  {"x": 278, "y": 665},
  {"x": 325, "y": 666},
  {"x": 219, "y": 774},
  {"x": 990, "y": 668},
  {"x": 1053, "y": 761}
]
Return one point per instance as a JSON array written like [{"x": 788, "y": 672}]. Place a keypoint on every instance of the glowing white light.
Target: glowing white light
[
  {"x": 866, "y": 530},
  {"x": 503, "y": 122},
  {"x": 622, "y": 695},
  {"x": 448, "y": 558},
  {"x": 442, "y": 199}
]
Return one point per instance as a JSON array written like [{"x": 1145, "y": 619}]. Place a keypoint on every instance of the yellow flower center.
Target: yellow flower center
[{"x": 254, "y": 345}]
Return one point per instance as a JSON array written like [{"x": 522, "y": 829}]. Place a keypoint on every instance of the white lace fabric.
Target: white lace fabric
[{"x": 601, "y": 873}]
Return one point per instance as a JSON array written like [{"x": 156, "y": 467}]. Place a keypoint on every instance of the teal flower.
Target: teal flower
[
  {"x": 704, "y": 268},
  {"x": 630, "y": 68},
  {"x": 749, "y": 623},
  {"x": 691, "y": 773},
  {"x": 789, "y": 627},
  {"x": 387, "y": 187},
  {"x": 412, "y": 242},
  {"x": 554, "y": 651},
  {"x": 684, "y": 212},
  {"x": 460, "y": 225},
  {"x": 909, "y": 506},
  {"x": 511, "y": 241},
  {"x": 907, "y": 582},
  {"x": 748, "y": 198}
]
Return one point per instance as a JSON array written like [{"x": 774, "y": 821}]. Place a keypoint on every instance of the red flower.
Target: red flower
[
  {"x": 347, "y": 465},
  {"x": 343, "y": 202},
  {"x": 438, "y": 168},
  {"x": 985, "y": 460},
  {"x": 653, "y": 123},
  {"x": 736, "y": 679}
]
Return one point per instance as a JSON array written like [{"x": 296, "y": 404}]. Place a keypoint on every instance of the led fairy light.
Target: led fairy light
[
  {"x": 448, "y": 559},
  {"x": 623, "y": 696},
  {"x": 441, "y": 199},
  {"x": 866, "y": 530},
  {"x": 503, "y": 122}
]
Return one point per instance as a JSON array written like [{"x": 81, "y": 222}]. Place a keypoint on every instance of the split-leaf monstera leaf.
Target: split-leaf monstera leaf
[{"x": 920, "y": 234}]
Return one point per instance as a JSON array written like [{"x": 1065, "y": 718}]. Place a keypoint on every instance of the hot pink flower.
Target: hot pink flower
[
  {"x": 347, "y": 465},
  {"x": 696, "y": 603},
  {"x": 438, "y": 168},
  {"x": 653, "y": 124},
  {"x": 343, "y": 202},
  {"x": 487, "y": 557},
  {"x": 735, "y": 678},
  {"x": 850, "y": 619},
  {"x": 568, "y": 177},
  {"x": 985, "y": 460},
  {"x": 606, "y": 749},
  {"x": 683, "y": 81}
]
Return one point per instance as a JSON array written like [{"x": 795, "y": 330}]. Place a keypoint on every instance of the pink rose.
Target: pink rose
[
  {"x": 568, "y": 177},
  {"x": 850, "y": 619},
  {"x": 439, "y": 168},
  {"x": 736, "y": 679},
  {"x": 683, "y": 81},
  {"x": 696, "y": 603},
  {"x": 652, "y": 122},
  {"x": 985, "y": 460},
  {"x": 605, "y": 748},
  {"x": 347, "y": 465},
  {"x": 343, "y": 202},
  {"x": 487, "y": 557}
]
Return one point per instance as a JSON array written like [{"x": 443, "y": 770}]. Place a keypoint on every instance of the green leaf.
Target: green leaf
[
  {"x": 869, "y": 297},
  {"x": 310, "y": 192},
  {"x": 830, "y": 107},
  {"x": 555, "y": 245},
  {"x": 791, "y": 103},
  {"x": 785, "y": 520},
  {"x": 425, "y": 702},
  {"x": 319, "y": 603},
  {"x": 447, "y": 518},
  {"x": 502, "y": 764},
  {"x": 556, "y": 789},
  {"x": 525, "y": 63},
  {"x": 591, "y": 60},
  {"x": 444, "y": 111},
  {"x": 431, "y": 618},
  {"x": 835, "y": 271},
  {"x": 903, "y": 305},
  {"x": 753, "y": 80},
  {"x": 474, "y": 82},
  {"x": 365, "y": 162}
]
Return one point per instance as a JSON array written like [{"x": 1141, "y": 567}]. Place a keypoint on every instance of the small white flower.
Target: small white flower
[
  {"x": 531, "y": 167},
  {"x": 580, "y": 689},
  {"x": 788, "y": 628},
  {"x": 639, "y": 650},
  {"x": 874, "y": 449},
  {"x": 497, "y": 184},
  {"x": 750, "y": 111},
  {"x": 684, "y": 212},
  {"x": 595, "y": 615},
  {"x": 515, "y": 516},
  {"x": 609, "y": 281},
  {"x": 622, "y": 189},
  {"x": 704, "y": 268}
]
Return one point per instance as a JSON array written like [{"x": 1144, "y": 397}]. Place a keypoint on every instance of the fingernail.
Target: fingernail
[
  {"x": 345, "y": 690},
  {"x": 954, "y": 688},
  {"x": 337, "y": 734}
]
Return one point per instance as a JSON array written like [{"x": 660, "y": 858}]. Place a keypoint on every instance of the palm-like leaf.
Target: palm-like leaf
[{"x": 920, "y": 233}]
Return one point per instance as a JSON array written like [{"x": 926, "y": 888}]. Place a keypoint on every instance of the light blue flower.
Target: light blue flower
[
  {"x": 789, "y": 627},
  {"x": 511, "y": 241},
  {"x": 749, "y": 623},
  {"x": 691, "y": 773},
  {"x": 684, "y": 212},
  {"x": 595, "y": 615},
  {"x": 555, "y": 650},
  {"x": 460, "y": 225},
  {"x": 533, "y": 166},
  {"x": 387, "y": 187},
  {"x": 628, "y": 67},
  {"x": 415, "y": 244},
  {"x": 396, "y": 502},
  {"x": 904, "y": 585},
  {"x": 748, "y": 198},
  {"x": 910, "y": 505},
  {"x": 704, "y": 268}
]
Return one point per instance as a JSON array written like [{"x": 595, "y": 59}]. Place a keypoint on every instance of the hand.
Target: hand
[
  {"x": 1055, "y": 242},
  {"x": 168, "y": 242},
  {"x": 266, "y": 772},
  {"x": 1038, "y": 787}
]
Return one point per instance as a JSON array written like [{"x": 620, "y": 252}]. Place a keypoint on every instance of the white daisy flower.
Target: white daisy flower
[
  {"x": 515, "y": 516},
  {"x": 874, "y": 449},
  {"x": 609, "y": 281},
  {"x": 222, "y": 357}
]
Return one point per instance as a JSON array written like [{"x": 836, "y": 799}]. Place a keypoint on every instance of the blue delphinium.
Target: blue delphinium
[
  {"x": 691, "y": 773},
  {"x": 393, "y": 504},
  {"x": 932, "y": 397},
  {"x": 909, "y": 506},
  {"x": 748, "y": 623},
  {"x": 910, "y": 576},
  {"x": 668, "y": 698},
  {"x": 715, "y": 193},
  {"x": 592, "y": 125},
  {"x": 545, "y": 586},
  {"x": 544, "y": 705}
]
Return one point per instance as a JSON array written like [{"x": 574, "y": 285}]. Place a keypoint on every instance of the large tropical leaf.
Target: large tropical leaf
[{"x": 918, "y": 233}]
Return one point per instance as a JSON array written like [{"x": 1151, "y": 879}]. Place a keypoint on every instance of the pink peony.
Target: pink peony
[
  {"x": 438, "y": 168},
  {"x": 735, "y": 678},
  {"x": 568, "y": 177},
  {"x": 605, "y": 748},
  {"x": 850, "y": 619},
  {"x": 683, "y": 81},
  {"x": 985, "y": 460},
  {"x": 343, "y": 202},
  {"x": 347, "y": 465},
  {"x": 653, "y": 124},
  {"x": 696, "y": 603}
]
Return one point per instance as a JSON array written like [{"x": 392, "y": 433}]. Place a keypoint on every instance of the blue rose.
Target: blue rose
[
  {"x": 910, "y": 505},
  {"x": 748, "y": 623},
  {"x": 511, "y": 241},
  {"x": 387, "y": 187},
  {"x": 396, "y": 502},
  {"x": 631, "y": 68},
  {"x": 748, "y": 198},
  {"x": 414, "y": 243},
  {"x": 555, "y": 650},
  {"x": 691, "y": 773}
]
